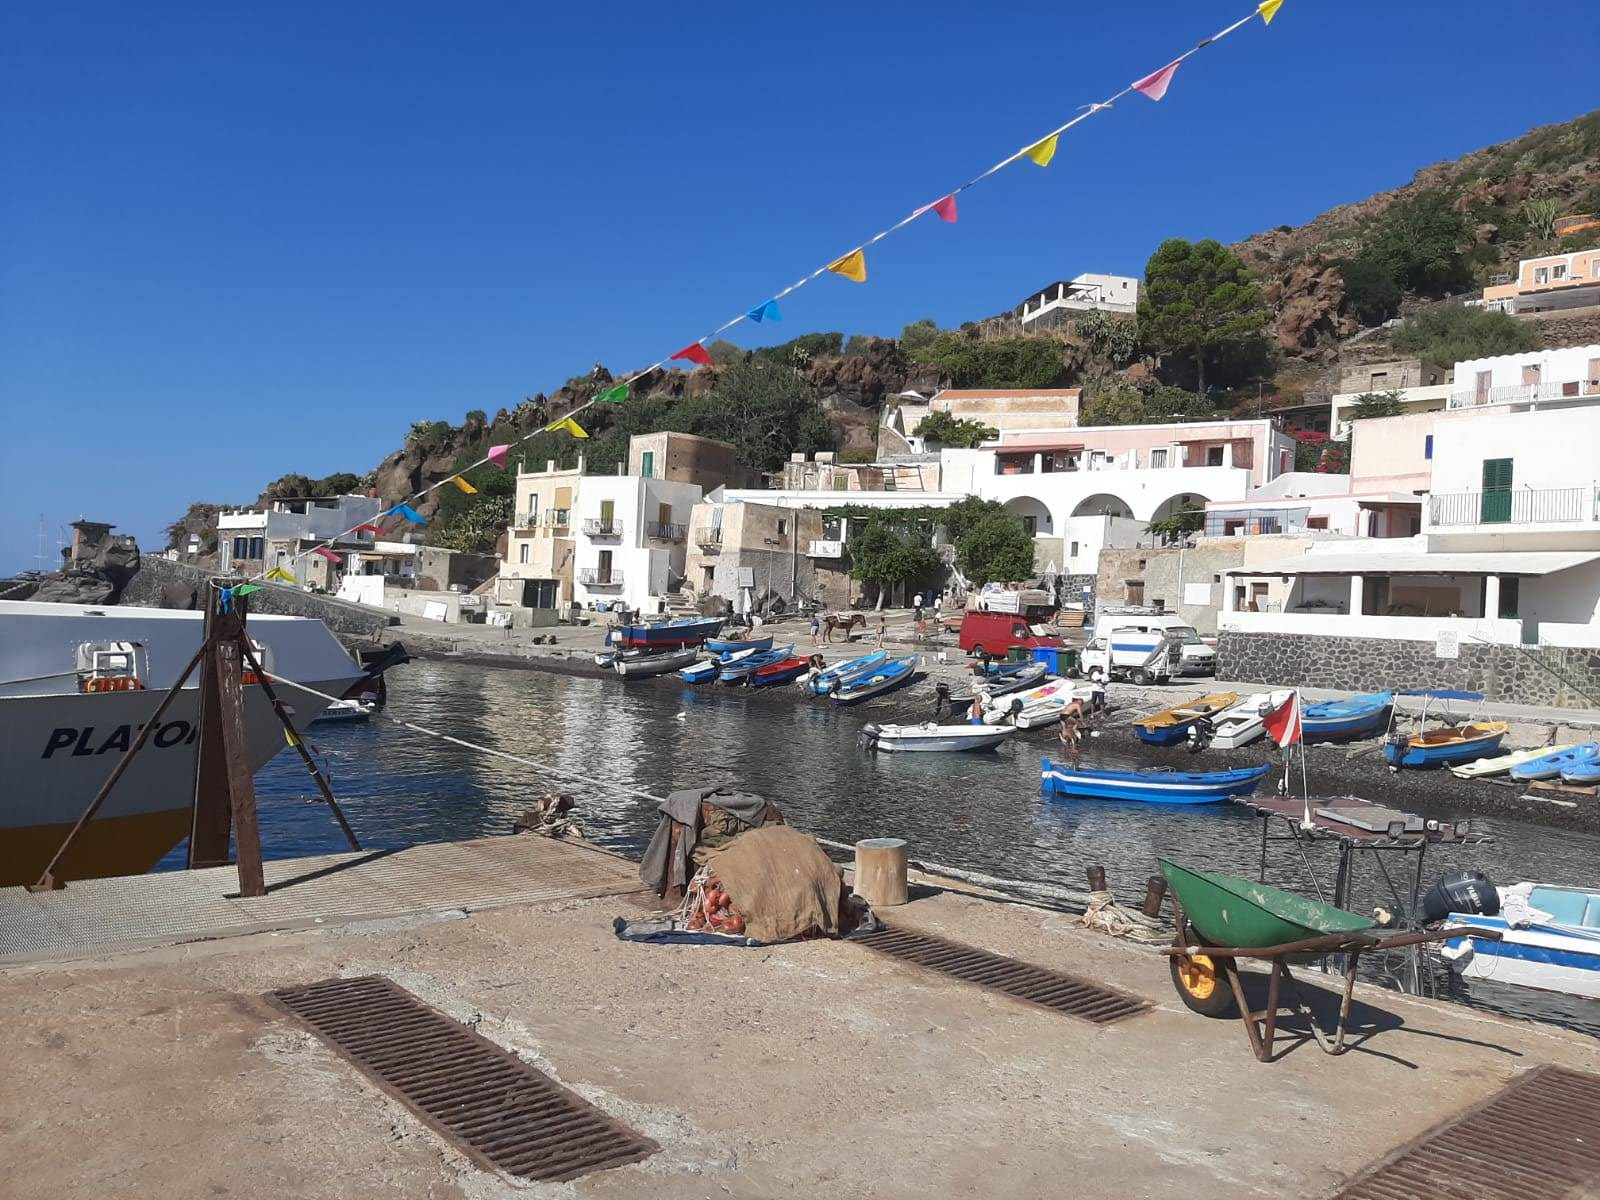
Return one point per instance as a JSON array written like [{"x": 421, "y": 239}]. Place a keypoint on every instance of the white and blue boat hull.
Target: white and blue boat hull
[
  {"x": 1551, "y": 958},
  {"x": 1341, "y": 720},
  {"x": 1149, "y": 787}
]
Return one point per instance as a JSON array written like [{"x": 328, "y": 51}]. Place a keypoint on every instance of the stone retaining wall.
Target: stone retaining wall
[
  {"x": 162, "y": 583},
  {"x": 1557, "y": 676}
]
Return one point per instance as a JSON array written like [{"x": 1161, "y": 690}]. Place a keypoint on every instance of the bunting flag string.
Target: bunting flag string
[
  {"x": 463, "y": 485},
  {"x": 853, "y": 265},
  {"x": 279, "y": 575}
]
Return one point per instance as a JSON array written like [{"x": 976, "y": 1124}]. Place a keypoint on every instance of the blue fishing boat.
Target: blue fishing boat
[
  {"x": 1171, "y": 725},
  {"x": 1450, "y": 743},
  {"x": 1150, "y": 786},
  {"x": 785, "y": 670},
  {"x": 685, "y": 631},
  {"x": 1339, "y": 720},
  {"x": 1557, "y": 762},
  {"x": 1553, "y": 943},
  {"x": 848, "y": 670},
  {"x": 737, "y": 670},
  {"x": 1000, "y": 667},
  {"x": 708, "y": 669},
  {"x": 729, "y": 646},
  {"x": 883, "y": 678}
]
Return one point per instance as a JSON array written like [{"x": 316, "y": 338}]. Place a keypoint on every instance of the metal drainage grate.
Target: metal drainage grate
[
  {"x": 1534, "y": 1138},
  {"x": 1019, "y": 980},
  {"x": 499, "y": 1111}
]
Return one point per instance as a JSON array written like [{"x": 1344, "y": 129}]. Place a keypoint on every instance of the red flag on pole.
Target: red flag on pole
[
  {"x": 695, "y": 353},
  {"x": 1283, "y": 723}
]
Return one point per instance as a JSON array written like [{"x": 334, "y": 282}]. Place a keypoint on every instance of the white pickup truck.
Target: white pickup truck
[{"x": 1142, "y": 656}]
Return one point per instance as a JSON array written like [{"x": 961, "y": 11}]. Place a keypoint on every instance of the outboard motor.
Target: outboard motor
[
  {"x": 1199, "y": 735},
  {"x": 1015, "y": 710},
  {"x": 941, "y": 701},
  {"x": 1462, "y": 892},
  {"x": 869, "y": 737}
]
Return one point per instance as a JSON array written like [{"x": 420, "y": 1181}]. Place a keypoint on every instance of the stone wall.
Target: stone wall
[
  {"x": 162, "y": 583},
  {"x": 1557, "y": 676},
  {"x": 1573, "y": 327}
]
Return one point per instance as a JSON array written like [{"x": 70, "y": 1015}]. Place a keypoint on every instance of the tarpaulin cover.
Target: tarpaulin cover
[{"x": 782, "y": 883}]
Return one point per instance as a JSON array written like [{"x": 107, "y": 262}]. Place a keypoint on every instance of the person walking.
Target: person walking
[
  {"x": 883, "y": 630},
  {"x": 816, "y": 629},
  {"x": 1097, "y": 692}
]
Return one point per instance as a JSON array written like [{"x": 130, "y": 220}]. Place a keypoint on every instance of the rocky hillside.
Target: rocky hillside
[{"x": 1492, "y": 207}]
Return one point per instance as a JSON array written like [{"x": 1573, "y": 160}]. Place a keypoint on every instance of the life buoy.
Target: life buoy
[{"x": 112, "y": 683}]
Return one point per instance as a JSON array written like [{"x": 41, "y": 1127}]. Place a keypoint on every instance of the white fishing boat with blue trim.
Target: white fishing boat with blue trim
[{"x": 1550, "y": 940}]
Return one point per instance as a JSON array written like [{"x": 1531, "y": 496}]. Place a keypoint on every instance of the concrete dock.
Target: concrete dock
[{"x": 796, "y": 1070}]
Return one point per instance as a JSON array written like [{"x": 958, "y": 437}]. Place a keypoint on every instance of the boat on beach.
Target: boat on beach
[
  {"x": 1245, "y": 721},
  {"x": 1341, "y": 720},
  {"x": 847, "y": 670},
  {"x": 737, "y": 670},
  {"x": 1552, "y": 763},
  {"x": 648, "y": 665},
  {"x": 683, "y": 631},
  {"x": 1032, "y": 675},
  {"x": 1171, "y": 725},
  {"x": 706, "y": 670},
  {"x": 1447, "y": 744},
  {"x": 1582, "y": 774},
  {"x": 1502, "y": 763},
  {"x": 1549, "y": 940},
  {"x": 1032, "y": 708},
  {"x": 784, "y": 670},
  {"x": 734, "y": 646},
  {"x": 885, "y": 677},
  {"x": 930, "y": 738},
  {"x": 1152, "y": 785}
]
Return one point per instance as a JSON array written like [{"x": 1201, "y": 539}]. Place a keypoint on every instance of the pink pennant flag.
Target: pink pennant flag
[
  {"x": 695, "y": 353},
  {"x": 366, "y": 528},
  {"x": 327, "y": 554},
  {"x": 1155, "y": 86},
  {"x": 497, "y": 455},
  {"x": 946, "y": 208}
]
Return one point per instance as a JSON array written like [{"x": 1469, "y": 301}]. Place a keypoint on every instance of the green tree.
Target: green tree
[
  {"x": 476, "y": 529},
  {"x": 340, "y": 483},
  {"x": 1370, "y": 290},
  {"x": 1118, "y": 406},
  {"x": 917, "y": 336},
  {"x": 883, "y": 554},
  {"x": 723, "y": 352},
  {"x": 767, "y": 412},
  {"x": 1418, "y": 242},
  {"x": 942, "y": 428},
  {"x": 1199, "y": 303},
  {"x": 1169, "y": 405},
  {"x": 1540, "y": 212},
  {"x": 1452, "y": 333},
  {"x": 994, "y": 546},
  {"x": 998, "y": 363},
  {"x": 1369, "y": 405},
  {"x": 1112, "y": 340},
  {"x": 1181, "y": 523},
  {"x": 802, "y": 351}
]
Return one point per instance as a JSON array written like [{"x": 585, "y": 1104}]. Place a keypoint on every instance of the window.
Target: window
[
  {"x": 1594, "y": 374},
  {"x": 1559, "y": 271},
  {"x": 1541, "y": 274},
  {"x": 647, "y": 464},
  {"x": 1427, "y": 446},
  {"x": 783, "y": 527},
  {"x": 1316, "y": 522},
  {"x": 1510, "y": 595},
  {"x": 1158, "y": 458},
  {"x": 1213, "y": 456},
  {"x": 1530, "y": 373},
  {"x": 1031, "y": 524},
  {"x": 1380, "y": 381},
  {"x": 1074, "y": 549},
  {"x": 522, "y": 553},
  {"x": 1496, "y": 501},
  {"x": 1229, "y": 528}
]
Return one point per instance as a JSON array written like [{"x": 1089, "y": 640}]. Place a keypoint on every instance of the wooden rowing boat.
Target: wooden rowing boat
[{"x": 1171, "y": 725}]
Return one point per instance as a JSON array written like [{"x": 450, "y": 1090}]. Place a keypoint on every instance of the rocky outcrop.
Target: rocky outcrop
[
  {"x": 97, "y": 578},
  {"x": 862, "y": 380},
  {"x": 1308, "y": 299}
]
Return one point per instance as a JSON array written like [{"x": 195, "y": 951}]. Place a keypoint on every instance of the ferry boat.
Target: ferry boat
[{"x": 78, "y": 682}]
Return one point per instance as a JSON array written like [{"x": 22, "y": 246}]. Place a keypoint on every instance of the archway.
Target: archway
[
  {"x": 1173, "y": 505},
  {"x": 1035, "y": 515},
  {"x": 1102, "y": 504}
]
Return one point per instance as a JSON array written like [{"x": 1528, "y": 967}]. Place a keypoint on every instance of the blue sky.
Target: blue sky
[{"x": 238, "y": 240}]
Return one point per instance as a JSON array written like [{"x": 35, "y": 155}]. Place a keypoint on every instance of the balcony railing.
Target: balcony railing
[
  {"x": 598, "y": 577},
  {"x": 709, "y": 538},
  {"x": 665, "y": 531},
  {"x": 556, "y": 518},
  {"x": 1513, "y": 506},
  {"x": 600, "y": 527},
  {"x": 1524, "y": 393}
]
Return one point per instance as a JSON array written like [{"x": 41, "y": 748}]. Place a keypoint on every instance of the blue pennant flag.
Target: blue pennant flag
[
  {"x": 767, "y": 311},
  {"x": 409, "y": 513}
]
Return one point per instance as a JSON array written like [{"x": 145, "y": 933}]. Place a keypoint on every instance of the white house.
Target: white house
[
  {"x": 1090, "y": 291},
  {"x": 630, "y": 536},
  {"x": 1539, "y": 377},
  {"x": 278, "y": 534},
  {"x": 1306, "y": 501}
]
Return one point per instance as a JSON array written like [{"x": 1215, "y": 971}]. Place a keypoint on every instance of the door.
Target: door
[
  {"x": 1496, "y": 505},
  {"x": 1133, "y": 591},
  {"x": 1258, "y": 597},
  {"x": 603, "y": 575},
  {"x": 647, "y": 464},
  {"x": 608, "y": 512}
]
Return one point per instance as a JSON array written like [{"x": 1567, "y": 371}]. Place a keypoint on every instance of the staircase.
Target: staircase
[{"x": 679, "y": 605}]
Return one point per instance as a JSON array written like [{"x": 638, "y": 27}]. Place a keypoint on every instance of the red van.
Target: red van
[{"x": 995, "y": 633}]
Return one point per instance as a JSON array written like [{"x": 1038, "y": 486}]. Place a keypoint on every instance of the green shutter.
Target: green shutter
[{"x": 1497, "y": 474}]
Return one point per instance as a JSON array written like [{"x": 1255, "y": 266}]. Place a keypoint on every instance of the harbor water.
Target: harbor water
[{"x": 978, "y": 812}]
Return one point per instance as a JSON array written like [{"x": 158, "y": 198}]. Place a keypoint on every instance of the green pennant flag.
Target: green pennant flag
[
  {"x": 615, "y": 395},
  {"x": 244, "y": 589}
]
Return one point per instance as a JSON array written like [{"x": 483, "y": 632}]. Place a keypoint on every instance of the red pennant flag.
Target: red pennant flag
[
  {"x": 946, "y": 208},
  {"x": 366, "y": 529},
  {"x": 497, "y": 455},
  {"x": 1155, "y": 86},
  {"x": 695, "y": 353},
  {"x": 327, "y": 554},
  {"x": 1283, "y": 723}
]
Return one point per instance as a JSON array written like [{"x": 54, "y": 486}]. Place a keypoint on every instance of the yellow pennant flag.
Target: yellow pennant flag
[
  {"x": 1268, "y": 9},
  {"x": 463, "y": 485},
  {"x": 280, "y": 575},
  {"x": 1043, "y": 152},
  {"x": 852, "y": 266},
  {"x": 566, "y": 425}
]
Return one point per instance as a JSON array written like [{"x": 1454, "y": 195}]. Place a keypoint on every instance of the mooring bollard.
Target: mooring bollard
[
  {"x": 881, "y": 871},
  {"x": 1155, "y": 891},
  {"x": 1097, "y": 878}
]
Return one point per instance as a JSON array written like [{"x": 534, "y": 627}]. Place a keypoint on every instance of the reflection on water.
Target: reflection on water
[{"x": 982, "y": 812}]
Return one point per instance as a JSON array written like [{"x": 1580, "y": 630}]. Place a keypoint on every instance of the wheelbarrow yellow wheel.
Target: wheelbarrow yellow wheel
[{"x": 1203, "y": 986}]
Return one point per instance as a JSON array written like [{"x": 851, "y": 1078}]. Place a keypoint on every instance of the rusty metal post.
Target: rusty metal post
[
  {"x": 211, "y": 814},
  {"x": 1097, "y": 878},
  {"x": 1155, "y": 891}
]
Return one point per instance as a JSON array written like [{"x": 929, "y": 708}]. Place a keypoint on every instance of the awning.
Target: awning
[{"x": 1525, "y": 562}]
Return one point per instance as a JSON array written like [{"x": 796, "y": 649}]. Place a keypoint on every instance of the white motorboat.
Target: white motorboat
[
  {"x": 1033, "y": 708},
  {"x": 342, "y": 712},
  {"x": 931, "y": 738},
  {"x": 1549, "y": 940},
  {"x": 655, "y": 664},
  {"x": 1244, "y": 722},
  {"x": 78, "y": 682}
]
